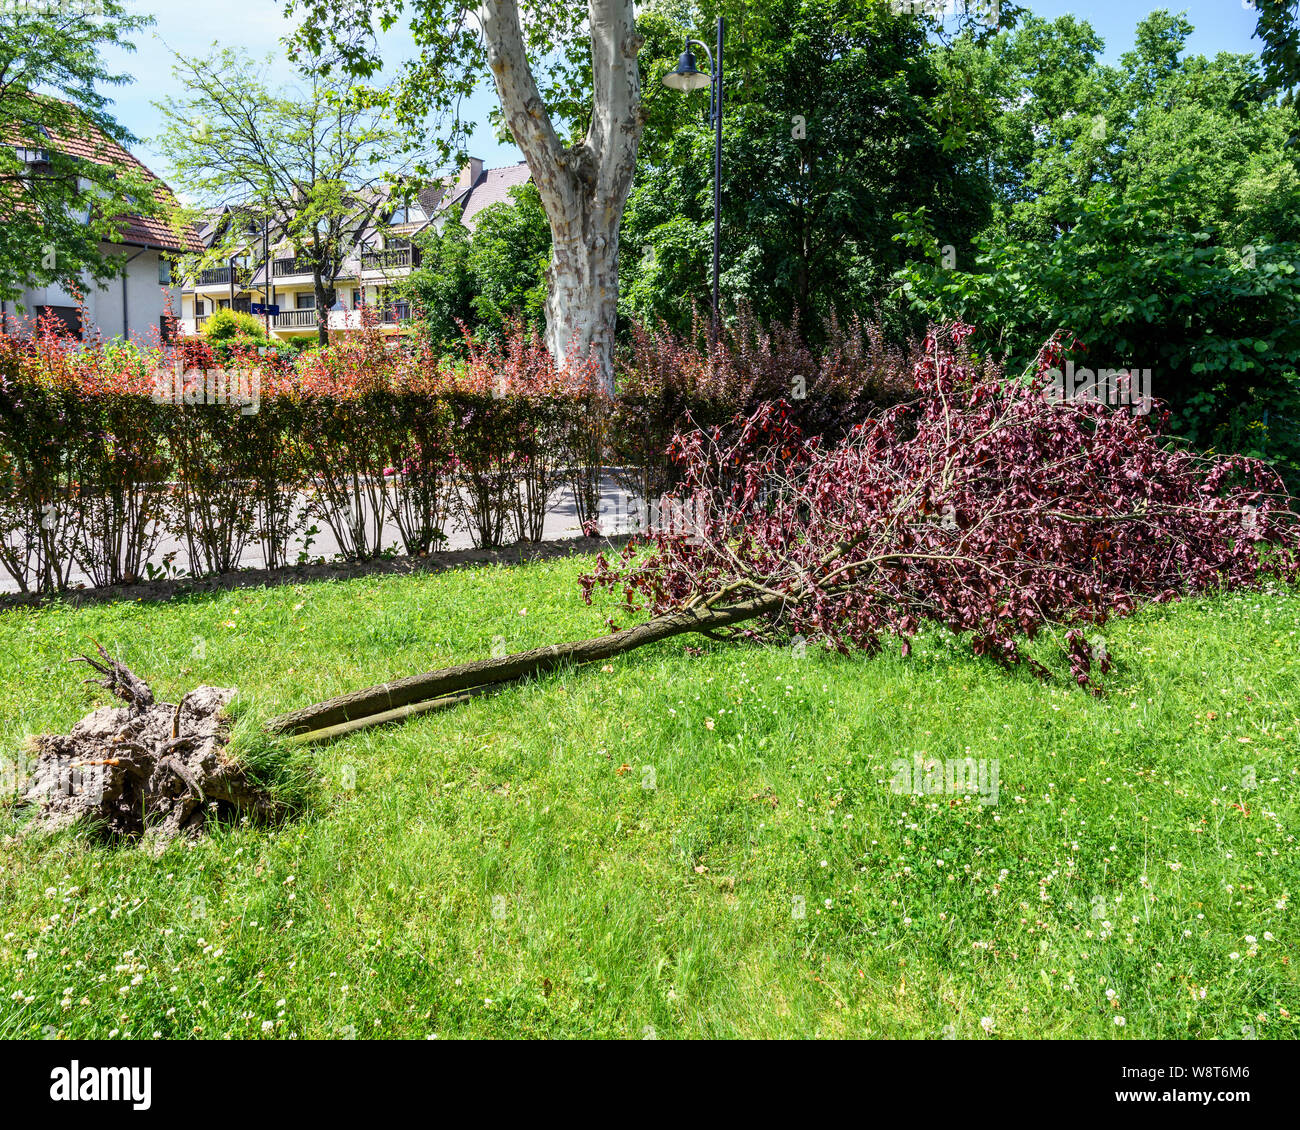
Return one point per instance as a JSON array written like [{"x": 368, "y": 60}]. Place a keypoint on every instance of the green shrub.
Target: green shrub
[{"x": 229, "y": 326}]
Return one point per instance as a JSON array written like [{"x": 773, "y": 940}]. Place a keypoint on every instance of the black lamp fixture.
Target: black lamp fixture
[{"x": 688, "y": 77}]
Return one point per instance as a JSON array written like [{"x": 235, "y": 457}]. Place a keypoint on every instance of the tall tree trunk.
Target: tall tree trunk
[
  {"x": 325, "y": 295},
  {"x": 582, "y": 300},
  {"x": 583, "y": 187}
]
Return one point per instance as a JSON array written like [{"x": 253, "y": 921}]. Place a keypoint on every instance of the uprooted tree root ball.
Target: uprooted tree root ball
[{"x": 147, "y": 769}]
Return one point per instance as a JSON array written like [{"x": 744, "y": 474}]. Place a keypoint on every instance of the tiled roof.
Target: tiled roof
[
  {"x": 492, "y": 187},
  {"x": 143, "y": 230}
]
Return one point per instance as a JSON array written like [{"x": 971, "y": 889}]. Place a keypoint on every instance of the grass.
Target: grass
[{"x": 507, "y": 869}]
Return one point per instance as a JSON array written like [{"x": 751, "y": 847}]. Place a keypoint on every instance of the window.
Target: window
[
  {"x": 164, "y": 271},
  {"x": 67, "y": 319},
  {"x": 304, "y": 302},
  {"x": 356, "y": 299},
  {"x": 198, "y": 307},
  {"x": 400, "y": 215}
]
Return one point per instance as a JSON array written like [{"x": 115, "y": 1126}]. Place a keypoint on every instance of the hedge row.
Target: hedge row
[{"x": 105, "y": 450}]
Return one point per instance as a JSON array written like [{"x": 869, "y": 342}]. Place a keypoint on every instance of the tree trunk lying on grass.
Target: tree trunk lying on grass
[
  {"x": 150, "y": 768},
  {"x": 435, "y": 690}
]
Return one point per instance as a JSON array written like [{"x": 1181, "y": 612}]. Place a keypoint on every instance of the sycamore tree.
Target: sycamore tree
[
  {"x": 316, "y": 165},
  {"x": 561, "y": 69},
  {"x": 61, "y": 191}
]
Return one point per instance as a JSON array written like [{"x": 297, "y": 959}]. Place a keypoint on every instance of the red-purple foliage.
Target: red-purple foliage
[
  {"x": 983, "y": 505},
  {"x": 663, "y": 377}
]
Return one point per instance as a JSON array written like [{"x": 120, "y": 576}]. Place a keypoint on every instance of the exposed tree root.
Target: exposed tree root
[{"x": 151, "y": 769}]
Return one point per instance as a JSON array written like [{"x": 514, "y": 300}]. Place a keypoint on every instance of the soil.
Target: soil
[{"x": 147, "y": 770}]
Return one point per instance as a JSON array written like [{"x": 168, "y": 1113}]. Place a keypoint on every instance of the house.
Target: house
[
  {"x": 382, "y": 252},
  {"x": 136, "y": 303}
]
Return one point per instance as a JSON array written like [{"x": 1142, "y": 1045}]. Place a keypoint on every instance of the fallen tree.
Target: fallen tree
[
  {"x": 986, "y": 505},
  {"x": 147, "y": 768}
]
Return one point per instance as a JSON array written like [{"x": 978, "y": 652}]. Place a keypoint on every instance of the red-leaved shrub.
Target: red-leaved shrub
[{"x": 983, "y": 505}]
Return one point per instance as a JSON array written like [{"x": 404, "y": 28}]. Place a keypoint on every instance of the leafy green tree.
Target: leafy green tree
[
  {"x": 314, "y": 165},
  {"x": 1278, "y": 28},
  {"x": 1218, "y": 330},
  {"x": 482, "y": 280},
  {"x": 1067, "y": 124},
  {"x": 508, "y": 255},
  {"x": 58, "y": 206},
  {"x": 1150, "y": 210},
  {"x": 836, "y": 118},
  {"x": 441, "y": 289}
]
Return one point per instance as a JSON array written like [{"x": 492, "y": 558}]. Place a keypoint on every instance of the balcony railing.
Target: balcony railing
[
  {"x": 395, "y": 312},
  {"x": 220, "y": 276},
  {"x": 282, "y": 267},
  {"x": 295, "y": 320},
  {"x": 390, "y": 257}
]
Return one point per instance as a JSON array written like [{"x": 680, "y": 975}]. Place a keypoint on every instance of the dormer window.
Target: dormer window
[{"x": 37, "y": 162}]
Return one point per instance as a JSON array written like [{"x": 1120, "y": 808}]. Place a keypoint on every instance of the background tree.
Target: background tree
[
  {"x": 483, "y": 280},
  {"x": 1150, "y": 211},
  {"x": 508, "y": 259},
  {"x": 58, "y": 208},
  {"x": 441, "y": 289},
  {"x": 316, "y": 164},
  {"x": 837, "y": 117},
  {"x": 1278, "y": 28}
]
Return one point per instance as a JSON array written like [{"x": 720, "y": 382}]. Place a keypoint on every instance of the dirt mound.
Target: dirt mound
[{"x": 148, "y": 768}]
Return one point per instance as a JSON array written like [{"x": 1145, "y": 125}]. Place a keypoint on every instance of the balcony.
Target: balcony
[
  {"x": 283, "y": 267},
  {"x": 395, "y": 312},
  {"x": 220, "y": 276},
  {"x": 295, "y": 320},
  {"x": 388, "y": 258}
]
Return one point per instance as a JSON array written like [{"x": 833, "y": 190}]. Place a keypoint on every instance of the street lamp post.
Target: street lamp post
[{"x": 686, "y": 78}]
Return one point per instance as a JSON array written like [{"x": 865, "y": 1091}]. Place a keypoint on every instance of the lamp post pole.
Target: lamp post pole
[{"x": 688, "y": 77}]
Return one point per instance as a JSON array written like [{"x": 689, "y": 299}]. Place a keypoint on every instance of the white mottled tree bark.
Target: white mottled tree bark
[{"x": 584, "y": 186}]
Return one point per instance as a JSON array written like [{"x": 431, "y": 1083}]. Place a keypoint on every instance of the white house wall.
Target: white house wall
[{"x": 145, "y": 299}]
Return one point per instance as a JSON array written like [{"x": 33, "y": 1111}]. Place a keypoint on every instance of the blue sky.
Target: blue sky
[{"x": 258, "y": 25}]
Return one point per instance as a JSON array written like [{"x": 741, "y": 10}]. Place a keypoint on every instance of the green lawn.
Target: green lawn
[{"x": 505, "y": 870}]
